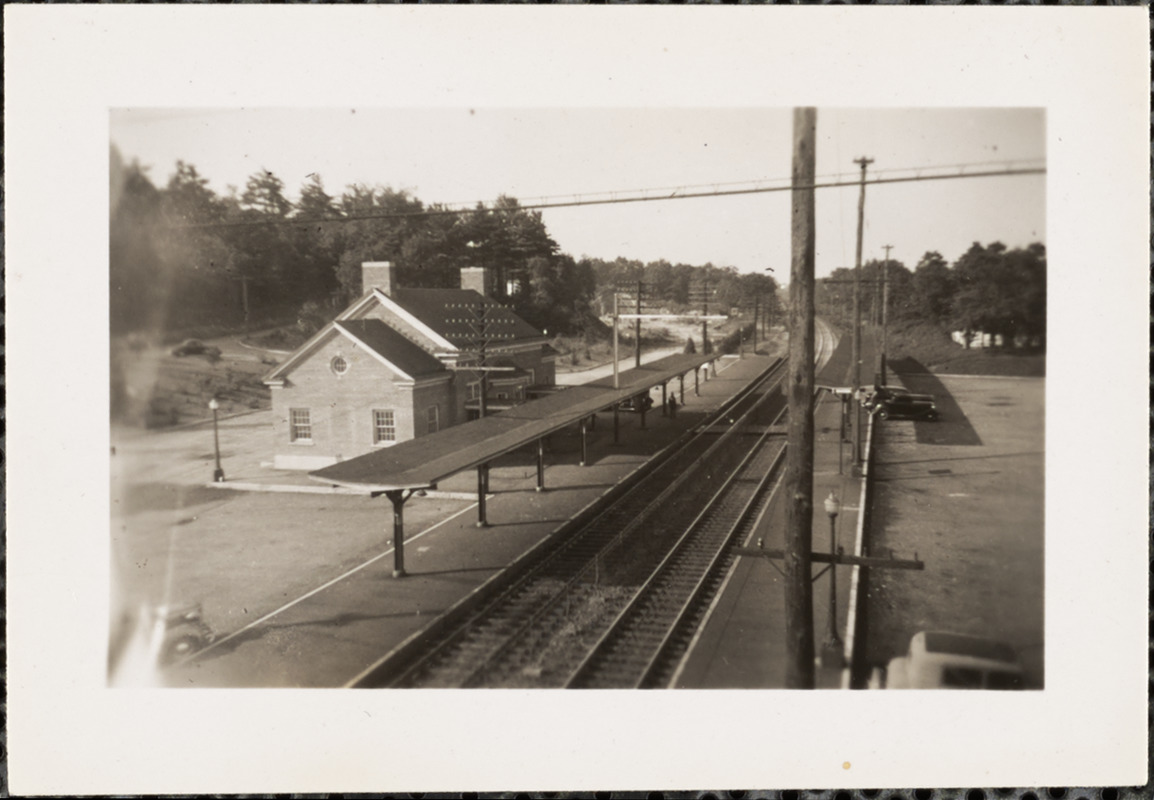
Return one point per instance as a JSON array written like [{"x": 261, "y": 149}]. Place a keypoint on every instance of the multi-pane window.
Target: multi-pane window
[
  {"x": 300, "y": 428},
  {"x": 434, "y": 417},
  {"x": 474, "y": 390},
  {"x": 384, "y": 426}
]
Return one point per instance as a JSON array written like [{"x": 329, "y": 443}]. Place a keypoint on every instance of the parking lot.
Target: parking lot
[{"x": 966, "y": 494}]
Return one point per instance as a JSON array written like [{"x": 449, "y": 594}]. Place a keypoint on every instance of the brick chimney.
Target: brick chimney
[
  {"x": 378, "y": 275},
  {"x": 479, "y": 279}
]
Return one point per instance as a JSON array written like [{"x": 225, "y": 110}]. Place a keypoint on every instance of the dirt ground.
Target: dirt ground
[
  {"x": 965, "y": 494},
  {"x": 242, "y": 554}
]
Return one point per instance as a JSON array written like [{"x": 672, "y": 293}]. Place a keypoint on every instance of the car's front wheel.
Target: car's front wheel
[{"x": 181, "y": 647}]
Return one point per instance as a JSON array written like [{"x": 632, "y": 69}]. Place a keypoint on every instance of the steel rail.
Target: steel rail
[{"x": 721, "y": 559}]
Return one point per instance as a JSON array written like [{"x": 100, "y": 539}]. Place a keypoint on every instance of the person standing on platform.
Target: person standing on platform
[{"x": 672, "y": 407}]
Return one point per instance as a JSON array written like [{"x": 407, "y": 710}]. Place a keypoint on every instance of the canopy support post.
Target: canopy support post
[
  {"x": 482, "y": 491},
  {"x": 664, "y": 401},
  {"x": 398, "y": 498},
  {"x": 541, "y": 464}
]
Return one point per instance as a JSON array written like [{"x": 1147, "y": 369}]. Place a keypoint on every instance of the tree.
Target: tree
[
  {"x": 380, "y": 238},
  {"x": 899, "y": 279},
  {"x": 315, "y": 241},
  {"x": 1000, "y": 291},
  {"x": 560, "y": 294},
  {"x": 188, "y": 200},
  {"x": 504, "y": 238},
  {"x": 1026, "y": 281},
  {"x": 264, "y": 194},
  {"x": 933, "y": 287}
]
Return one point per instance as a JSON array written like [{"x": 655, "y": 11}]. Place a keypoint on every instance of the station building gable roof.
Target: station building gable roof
[
  {"x": 401, "y": 355},
  {"x": 435, "y": 309},
  {"x": 390, "y": 346},
  {"x": 440, "y": 320}
]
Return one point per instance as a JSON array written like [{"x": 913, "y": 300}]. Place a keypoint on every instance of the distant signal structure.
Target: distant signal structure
[
  {"x": 483, "y": 326},
  {"x": 702, "y": 292},
  {"x": 634, "y": 293},
  {"x": 637, "y": 293}
]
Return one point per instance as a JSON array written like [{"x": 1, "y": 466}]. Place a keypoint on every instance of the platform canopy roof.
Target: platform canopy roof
[{"x": 422, "y": 462}]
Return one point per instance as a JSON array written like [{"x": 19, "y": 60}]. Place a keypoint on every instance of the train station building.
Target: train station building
[{"x": 393, "y": 366}]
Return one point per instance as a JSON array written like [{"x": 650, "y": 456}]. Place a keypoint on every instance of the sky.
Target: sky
[{"x": 476, "y": 154}]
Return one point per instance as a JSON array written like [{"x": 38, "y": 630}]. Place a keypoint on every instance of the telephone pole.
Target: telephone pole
[
  {"x": 798, "y": 551},
  {"x": 885, "y": 309},
  {"x": 864, "y": 162},
  {"x": 481, "y": 321}
]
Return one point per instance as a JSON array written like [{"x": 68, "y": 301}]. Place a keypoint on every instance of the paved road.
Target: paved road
[{"x": 605, "y": 370}]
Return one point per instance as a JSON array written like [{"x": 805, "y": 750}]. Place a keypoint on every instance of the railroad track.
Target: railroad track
[
  {"x": 534, "y": 632},
  {"x": 645, "y": 640}
]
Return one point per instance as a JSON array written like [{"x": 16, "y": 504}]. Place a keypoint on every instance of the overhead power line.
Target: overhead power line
[{"x": 909, "y": 175}]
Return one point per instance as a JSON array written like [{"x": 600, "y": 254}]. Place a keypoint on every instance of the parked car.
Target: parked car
[
  {"x": 195, "y": 347},
  {"x": 638, "y": 402},
  {"x": 940, "y": 660},
  {"x": 895, "y": 402},
  {"x": 185, "y": 632}
]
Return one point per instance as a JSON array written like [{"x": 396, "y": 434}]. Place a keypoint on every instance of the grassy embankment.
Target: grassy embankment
[
  {"x": 933, "y": 349},
  {"x": 151, "y": 388}
]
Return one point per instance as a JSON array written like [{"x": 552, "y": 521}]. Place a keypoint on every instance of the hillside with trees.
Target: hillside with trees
[
  {"x": 184, "y": 258},
  {"x": 938, "y": 310},
  {"x": 989, "y": 289}
]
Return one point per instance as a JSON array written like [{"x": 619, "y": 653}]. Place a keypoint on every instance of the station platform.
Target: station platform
[
  {"x": 741, "y": 642},
  {"x": 328, "y": 636}
]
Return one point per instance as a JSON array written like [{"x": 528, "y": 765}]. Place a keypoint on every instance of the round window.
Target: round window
[{"x": 339, "y": 365}]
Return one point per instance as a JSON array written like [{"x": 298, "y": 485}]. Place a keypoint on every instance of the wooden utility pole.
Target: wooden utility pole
[
  {"x": 616, "y": 369},
  {"x": 863, "y": 161},
  {"x": 244, "y": 299},
  {"x": 799, "y": 671},
  {"x": 705, "y": 313},
  {"x": 637, "y": 328},
  {"x": 481, "y": 320},
  {"x": 885, "y": 310},
  {"x": 755, "y": 298}
]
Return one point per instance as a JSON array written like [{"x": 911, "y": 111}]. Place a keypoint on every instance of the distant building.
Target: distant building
[
  {"x": 980, "y": 339},
  {"x": 393, "y": 366}
]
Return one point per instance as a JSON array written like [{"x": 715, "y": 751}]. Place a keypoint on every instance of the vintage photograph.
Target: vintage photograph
[
  {"x": 499, "y": 398},
  {"x": 380, "y": 377}
]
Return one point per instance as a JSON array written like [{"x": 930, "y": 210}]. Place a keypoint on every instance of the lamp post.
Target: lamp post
[
  {"x": 831, "y": 651},
  {"x": 218, "y": 473}
]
